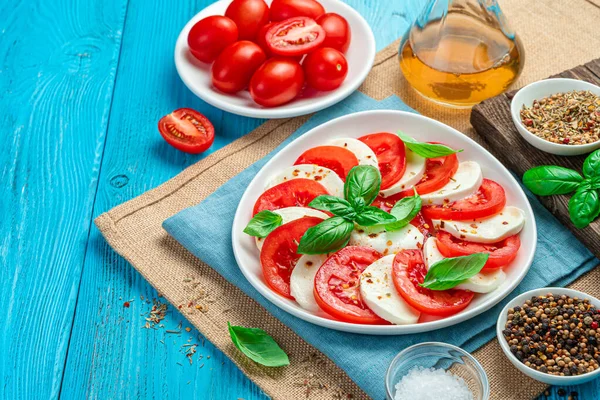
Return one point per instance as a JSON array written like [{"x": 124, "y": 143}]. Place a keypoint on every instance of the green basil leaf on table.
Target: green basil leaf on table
[
  {"x": 427, "y": 150},
  {"x": 404, "y": 211},
  {"x": 362, "y": 186},
  {"x": 546, "y": 180},
  {"x": 590, "y": 183},
  {"x": 263, "y": 223},
  {"x": 584, "y": 207},
  {"x": 370, "y": 216},
  {"x": 450, "y": 272},
  {"x": 258, "y": 346},
  {"x": 327, "y": 237},
  {"x": 335, "y": 205},
  {"x": 591, "y": 165}
]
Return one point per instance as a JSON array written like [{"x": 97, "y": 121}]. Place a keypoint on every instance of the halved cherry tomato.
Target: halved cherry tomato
[
  {"x": 284, "y": 9},
  {"x": 249, "y": 16},
  {"x": 337, "y": 282},
  {"x": 209, "y": 36},
  {"x": 408, "y": 271},
  {"x": 293, "y": 193},
  {"x": 294, "y": 36},
  {"x": 278, "y": 256},
  {"x": 487, "y": 201},
  {"x": 336, "y": 158},
  {"x": 501, "y": 253},
  {"x": 325, "y": 69},
  {"x": 337, "y": 31},
  {"x": 187, "y": 130},
  {"x": 278, "y": 81},
  {"x": 391, "y": 156},
  {"x": 234, "y": 67}
]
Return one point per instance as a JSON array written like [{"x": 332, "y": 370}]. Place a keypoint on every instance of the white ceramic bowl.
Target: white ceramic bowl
[
  {"x": 537, "y": 375},
  {"x": 196, "y": 75},
  {"x": 356, "y": 125},
  {"x": 539, "y": 90}
]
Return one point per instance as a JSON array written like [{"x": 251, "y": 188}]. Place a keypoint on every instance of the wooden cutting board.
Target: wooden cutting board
[{"x": 492, "y": 120}]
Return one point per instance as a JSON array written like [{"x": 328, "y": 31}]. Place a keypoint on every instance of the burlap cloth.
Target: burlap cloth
[{"x": 557, "y": 35}]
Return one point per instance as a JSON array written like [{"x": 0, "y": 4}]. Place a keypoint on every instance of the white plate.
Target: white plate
[
  {"x": 196, "y": 75},
  {"x": 356, "y": 125}
]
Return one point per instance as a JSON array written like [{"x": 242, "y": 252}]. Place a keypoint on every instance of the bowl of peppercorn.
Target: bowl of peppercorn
[{"x": 552, "y": 335}]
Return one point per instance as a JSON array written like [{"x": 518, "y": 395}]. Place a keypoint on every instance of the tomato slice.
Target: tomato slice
[
  {"x": 423, "y": 224},
  {"x": 487, "y": 201},
  {"x": 501, "y": 253},
  {"x": 293, "y": 193},
  {"x": 408, "y": 271},
  {"x": 391, "y": 156},
  {"x": 279, "y": 256},
  {"x": 337, "y": 282},
  {"x": 336, "y": 158},
  {"x": 187, "y": 130},
  {"x": 294, "y": 36}
]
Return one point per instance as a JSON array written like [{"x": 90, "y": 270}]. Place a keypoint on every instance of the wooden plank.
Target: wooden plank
[{"x": 57, "y": 69}]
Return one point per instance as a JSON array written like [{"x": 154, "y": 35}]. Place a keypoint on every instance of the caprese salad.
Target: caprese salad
[{"x": 384, "y": 229}]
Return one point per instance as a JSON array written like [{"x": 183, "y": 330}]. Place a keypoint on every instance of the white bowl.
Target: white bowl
[
  {"x": 197, "y": 77},
  {"x": 537, "y": 375},
  {"x": 356, "y": 125},
  {"x": 539, "y": 90}
]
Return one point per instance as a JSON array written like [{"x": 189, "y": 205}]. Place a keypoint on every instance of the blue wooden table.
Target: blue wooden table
[{"x": 82, "y": 86}]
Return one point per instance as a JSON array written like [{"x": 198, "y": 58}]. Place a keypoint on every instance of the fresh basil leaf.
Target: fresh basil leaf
[
  {"x": 362, "y": 186},
  {"x": 591, "y": 165},
  {"x": 263, "y": 223},
  {"x": 327, "y": 237},
  {"x": 404, "y": 211},
  {"x": 546, "y": 180},
  {"x": 370, "y": 216},
  {"x": 450, "y": 272},
  {"x": 590, "y": 183},
  {"x": 258, "y": 346},
  {"x": 335, "y": 205},
  {"x": 427, "y": 150},
  {"x": 584, "y": 207}
]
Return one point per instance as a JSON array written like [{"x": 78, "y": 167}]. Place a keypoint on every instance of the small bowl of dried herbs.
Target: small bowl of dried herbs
[
  {"x": 559, "y": 116},
  {"x": 552, "y": 335}
]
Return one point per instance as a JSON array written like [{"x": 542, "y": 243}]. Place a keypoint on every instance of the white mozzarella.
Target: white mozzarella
[
  {"x": 378, "y": 292},
  {"x": 302, "y": 280},
  {"x": 326, "y": 177},
  {"x": 464, "y": 183},
  {"x": 507, "y": 222},
  {"x": 415, "y": 168},
  {"x": 479, "y": 283},
  {"x": 386, "y": 242},
  {"x": 363, "y": 153},
  {"x": 289, "y": 214}
]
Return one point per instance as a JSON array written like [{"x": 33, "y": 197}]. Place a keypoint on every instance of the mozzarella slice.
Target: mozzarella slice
[
  {"x": 480, "y": 283},
  {"x": 363, "y": 153},
  {"x": 385, "y": 242},
  {"x": 507, "y": 222},
  {"x": 464, "y": 183},
  {"x": 326, "y": 177},
  {"x": 415, "y": 168},
  {"x": 302, "y": 281},
  {"x": 378, "y": 292},
  {"x": 289, "y": 214}
]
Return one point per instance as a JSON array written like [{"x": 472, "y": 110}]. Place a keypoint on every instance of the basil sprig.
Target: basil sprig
[
  {"x": 547, "y": 180},
  {"x": 426, "y": 150},
  {"x": 258, "y": 346},
  {"x": 450, "y": 272},
  {"x": 263, "y": 223},
  {"x": 404, "y": 211}
]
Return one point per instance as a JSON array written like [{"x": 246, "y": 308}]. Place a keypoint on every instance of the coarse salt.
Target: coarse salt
[{"x": 432, "y": 384}]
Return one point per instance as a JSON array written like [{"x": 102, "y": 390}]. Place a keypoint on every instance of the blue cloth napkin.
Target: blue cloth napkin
[{"x": 205, "y": 230}]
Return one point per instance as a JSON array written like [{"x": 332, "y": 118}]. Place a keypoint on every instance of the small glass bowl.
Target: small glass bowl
[{"x": 438, "y": 355}]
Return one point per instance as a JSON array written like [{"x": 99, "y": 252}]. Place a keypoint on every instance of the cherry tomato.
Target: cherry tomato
[
  {"x": 294, "y": 36},
  {"x": 293, "y": 193},
  {"x": 249, "y": 16},
  {"x": 261, "y": 38},
  {"x": 337, "y": 159},
  {"x": 187, "y": 130},
  {"x": 325, "y": 69},
  {"x": 278, "y": 81},
  {"x": 209, "y": 36},
  {"x": 408, "y": 271},
  {"x": 337, "y": 31},
  {"x": 284, "y": 9},
  {"x": 235, "y": 66},
  {"x": 391, "y": 156}
]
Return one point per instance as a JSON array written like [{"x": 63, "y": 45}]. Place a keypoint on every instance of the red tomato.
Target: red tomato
[
  {"x": 187, "y": 130},
  {"x": 261, "y": 38},
  {"x": 284, "y": 9},
  {"x": 209, "y": 36},
  {"x": 294, "y": 36},
  {"x": 408, "y": 271},
  {"x": 293, "y": 193},
  {"x": 501, "y": 253},
  {"x": 249, "y": 16},
  {"x": 391, "y": 156},
  {"x": 336, "y": 158},
  {"x": 325, "y": 69},
  {"x": 337, "y": 282},
  {"x": 278, "y": 256},
  {"x": 234, "y": 67},
  {"x": 337, "y": 31},
  {"x": 423, "y": 224},
  {"x": 278, "y": 81},
  {"x": 487, "y": 201}
]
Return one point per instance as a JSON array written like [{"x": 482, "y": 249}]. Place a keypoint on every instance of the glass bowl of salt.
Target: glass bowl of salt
[{"x": 436, "y": 371}]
